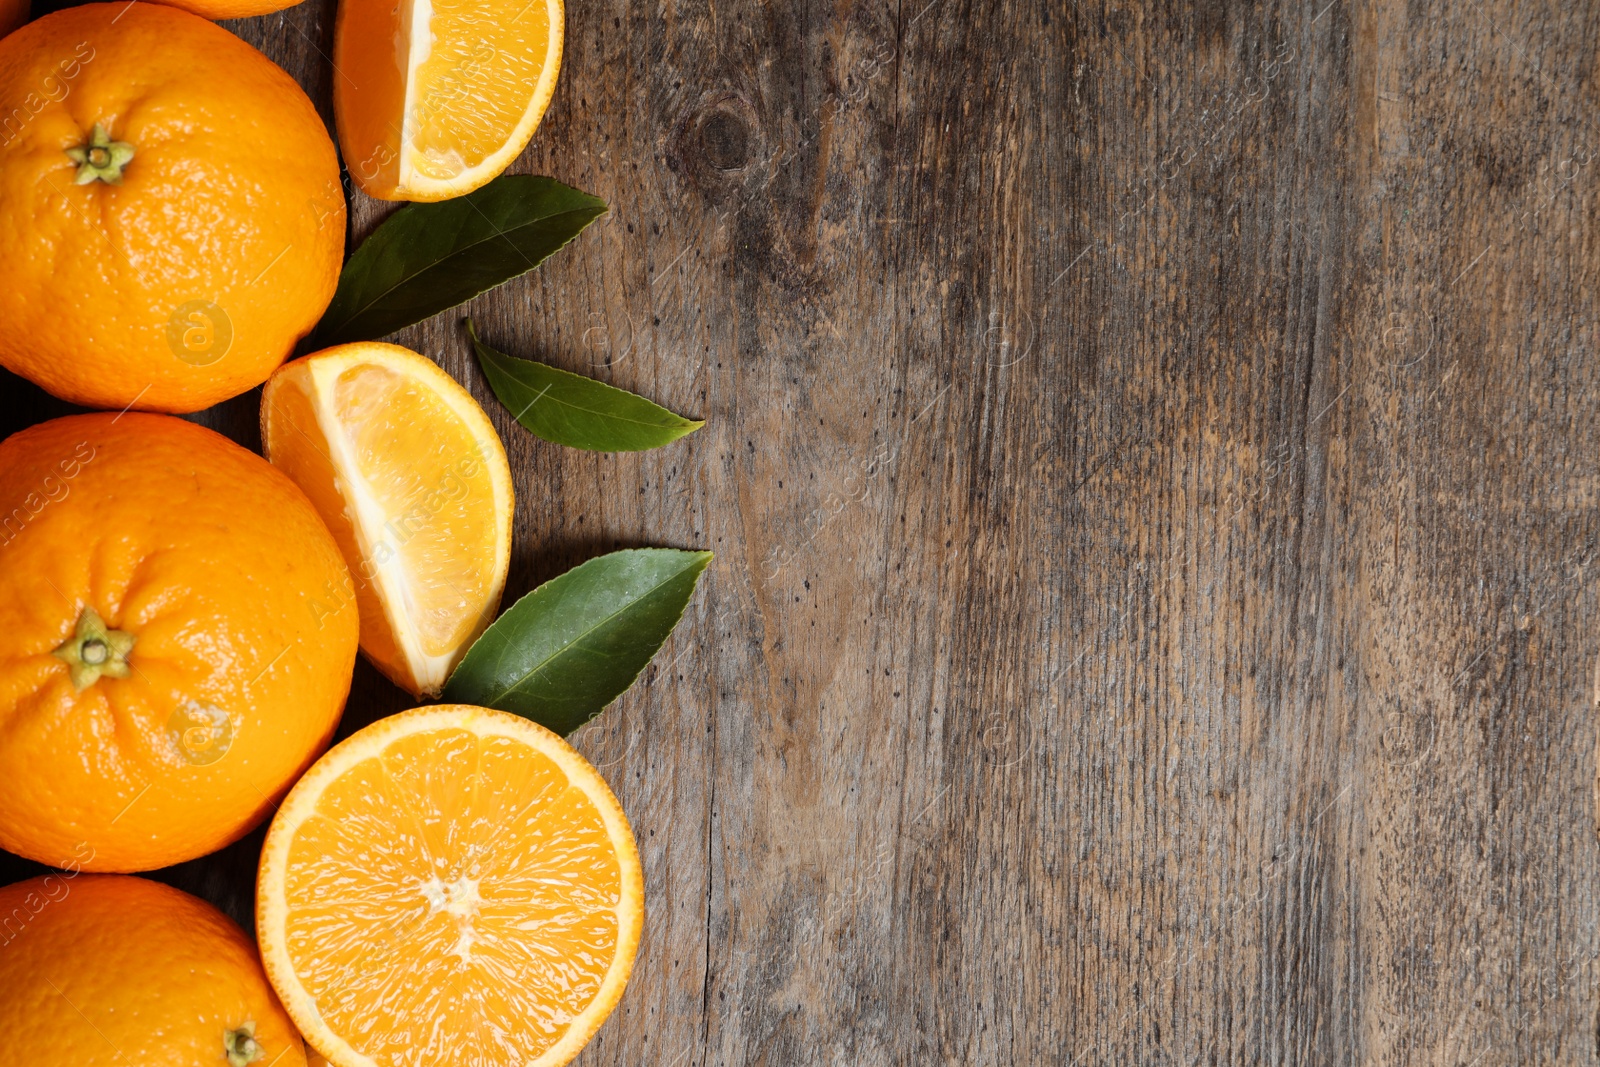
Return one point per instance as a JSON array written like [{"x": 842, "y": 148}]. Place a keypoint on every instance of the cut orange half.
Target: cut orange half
[
  {"x": 450, "y": 887},
  {"x": 433, "y": 98},
  {"x": 406, "y": 470}
]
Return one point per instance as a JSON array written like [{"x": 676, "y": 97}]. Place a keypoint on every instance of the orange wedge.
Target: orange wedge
[
  {"x": 433, "y": 98},
  {"x": 450, "y": 887},
  {"x": 406, "y": 470}
]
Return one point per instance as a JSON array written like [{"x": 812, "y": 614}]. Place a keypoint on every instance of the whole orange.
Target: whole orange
[
  {"x": 109, "y": 970},
  {"x": 177, "y": 634},
  {"x": 170, "y": 209}
]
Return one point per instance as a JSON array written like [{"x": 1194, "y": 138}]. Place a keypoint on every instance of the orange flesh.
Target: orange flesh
[
  {"x": 468, "y": 93},
  {"x": 459, "y": 879},
  {"x": 433, "y": 525},
  {"x": 456, "y": 112},
  {"x": 302, "y": 453},
  {"x": 426, "y": 476}
]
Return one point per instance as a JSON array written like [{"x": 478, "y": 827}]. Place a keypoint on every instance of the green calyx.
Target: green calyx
[
  {"x": 93, "y": 650},
  {"x": 241, "y": 1046},
  {"x": 102, "y": 159}
]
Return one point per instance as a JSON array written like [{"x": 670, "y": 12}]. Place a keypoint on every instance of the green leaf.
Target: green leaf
[
  {"x": 579, "y": 412},
  {"x": 427, "y": 258},
  {"x": 562, "y": 653}
]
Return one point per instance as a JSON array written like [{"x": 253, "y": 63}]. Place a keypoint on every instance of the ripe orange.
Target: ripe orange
[
  {"x": 231, "y": 9},
  {"x": 170, "y": 207},
  {"x": 177, "y": 633},
  {"x": 409, "y": 474},
  {"x": 13, "y": 13},
  {"x": 440, "y": 96},
  {"x": 450, "y": 887},
  {"x": 106, "y": 969}
]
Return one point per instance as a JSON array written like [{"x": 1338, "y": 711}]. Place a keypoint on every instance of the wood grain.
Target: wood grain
[{"x": 1152, "y": 466}]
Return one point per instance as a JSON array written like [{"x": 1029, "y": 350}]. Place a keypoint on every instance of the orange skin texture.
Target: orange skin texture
[
  {"x": 232, "y": 201},
  {"x": 230, "y": 9},
  {"x": 367, "y": 101},
  {"x": 107, "y": 969},
  {"x": 245, "y": 629},
  {"x": 13, "y": 13}
]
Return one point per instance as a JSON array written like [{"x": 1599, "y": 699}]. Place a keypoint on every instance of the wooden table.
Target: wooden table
[{"x": 1153, "y": 467}]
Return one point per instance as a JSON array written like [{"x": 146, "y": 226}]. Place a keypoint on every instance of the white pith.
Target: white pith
[
  {"x": 418, "y": 24},
  {"x": 458, "y": 898}
]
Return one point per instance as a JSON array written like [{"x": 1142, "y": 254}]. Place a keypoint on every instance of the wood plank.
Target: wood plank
[{"x": 1152, "y": 465}]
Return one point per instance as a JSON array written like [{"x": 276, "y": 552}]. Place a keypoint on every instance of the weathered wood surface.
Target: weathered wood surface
[{"x": 1152, "y": 462}]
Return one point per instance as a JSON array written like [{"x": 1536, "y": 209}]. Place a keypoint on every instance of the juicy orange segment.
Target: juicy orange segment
[
  {"x": 410, "y": 476},
  {"x": 436, "y": 97},
  {"x": 450, "y": 887}
]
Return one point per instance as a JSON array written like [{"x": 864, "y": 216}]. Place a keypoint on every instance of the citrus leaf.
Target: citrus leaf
[
  {"x": 572, "y": 410},
  {"x": 562, "y": 653},
  {"x": 427, "y": 258}
]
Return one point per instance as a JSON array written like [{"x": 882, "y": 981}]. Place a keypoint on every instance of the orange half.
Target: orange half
[
  {"x": 434, "y": 98},
  {"x": 450, "y": 887},
  {"x": 408, "y": 472}
]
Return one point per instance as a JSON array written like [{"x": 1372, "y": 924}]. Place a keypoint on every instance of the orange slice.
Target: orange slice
[
  {"x": 433, "y": 98},
  {"x": 450, "y": 887},
  {"x": 406, "y": 470}
]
